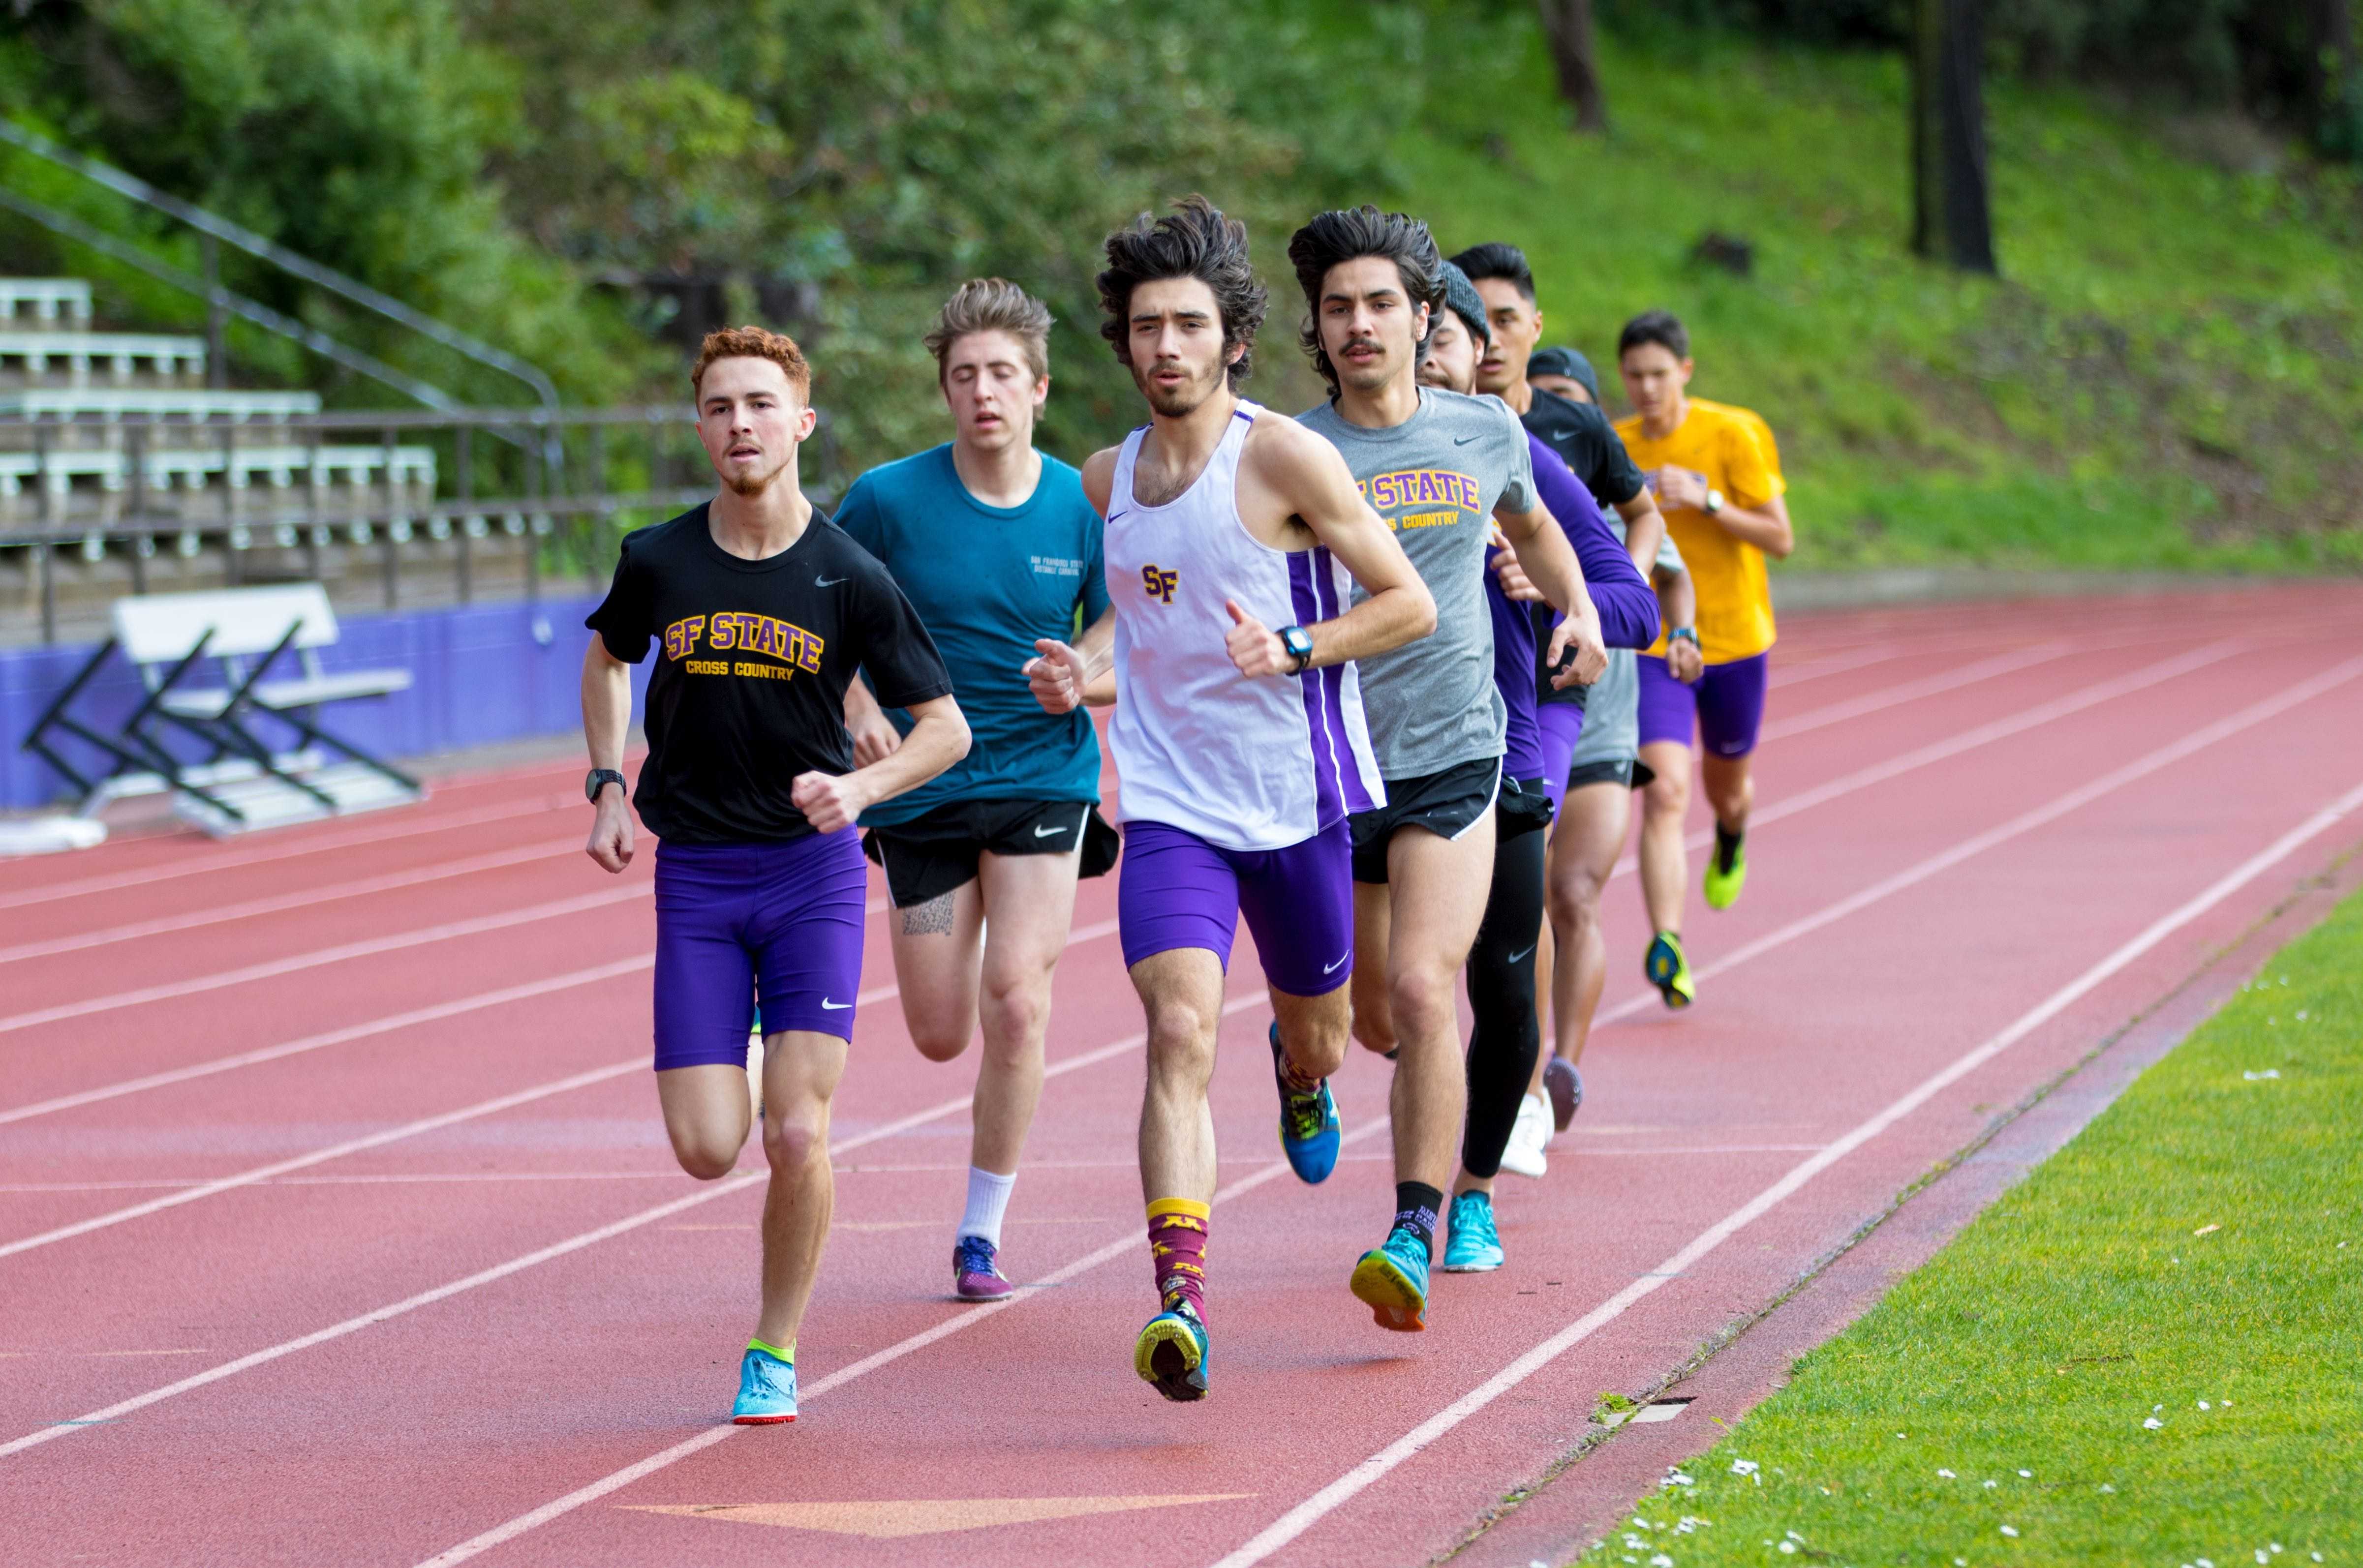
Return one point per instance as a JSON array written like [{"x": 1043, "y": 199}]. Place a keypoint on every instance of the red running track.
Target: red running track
[{"x": 336, "y": 1220}]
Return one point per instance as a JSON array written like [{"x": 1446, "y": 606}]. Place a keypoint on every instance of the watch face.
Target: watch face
[{"x": 1297, "y": 641}]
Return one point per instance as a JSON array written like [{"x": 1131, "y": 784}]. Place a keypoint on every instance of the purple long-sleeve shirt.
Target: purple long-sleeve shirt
[{"x": 1626, "y": 603}]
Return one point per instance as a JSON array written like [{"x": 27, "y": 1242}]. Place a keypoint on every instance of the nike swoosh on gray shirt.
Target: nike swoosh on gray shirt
[{"x": 1437, "y": 479}]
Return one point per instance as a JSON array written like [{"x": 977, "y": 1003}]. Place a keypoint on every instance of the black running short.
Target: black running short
[
  {"x": 1523, "y": 808},
  {"x": 1606, "y": 770},
  {"x": 1447, "y": 804},
  {"x": 934, "y": 853}
]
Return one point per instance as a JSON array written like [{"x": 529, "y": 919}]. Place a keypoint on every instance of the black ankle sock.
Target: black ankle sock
[
  {"x": 1416, "y": 1206},
  {"x": 1726, "y": 845}
]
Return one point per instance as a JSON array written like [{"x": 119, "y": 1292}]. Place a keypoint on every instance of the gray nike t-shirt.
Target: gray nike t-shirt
[{"x": 1437, "y": 479}]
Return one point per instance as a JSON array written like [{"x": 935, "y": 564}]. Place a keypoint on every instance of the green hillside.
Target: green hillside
[{"x": 2169, "y": 375}]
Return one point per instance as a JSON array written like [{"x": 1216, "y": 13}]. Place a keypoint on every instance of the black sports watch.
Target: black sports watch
[
  {"x": 1299, "y": 644},
  {"x": 599, "y": 779}
]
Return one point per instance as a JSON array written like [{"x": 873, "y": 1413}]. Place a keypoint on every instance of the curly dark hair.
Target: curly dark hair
[
  {"x": 1346, "y": 235},
  {"x": 1194, "y": 240}
]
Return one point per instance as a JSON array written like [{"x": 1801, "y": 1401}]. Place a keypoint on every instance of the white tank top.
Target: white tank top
[{"x": 1244, "y": 764}]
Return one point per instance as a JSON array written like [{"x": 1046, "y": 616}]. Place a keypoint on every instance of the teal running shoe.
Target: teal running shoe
[
  {"x": 766, "y": 1390},
  {"x": 1171, "y": 1354},
  {"x": 1667, "y": 967},
  {"x": 1474, "y": 1247},
  {"x": 1391, "y": 1281},
  {"x": 1309, "y": 1131}
]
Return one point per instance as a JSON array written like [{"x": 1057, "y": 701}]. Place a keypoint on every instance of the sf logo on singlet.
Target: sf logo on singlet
[{"x": 1160, "y": 583}]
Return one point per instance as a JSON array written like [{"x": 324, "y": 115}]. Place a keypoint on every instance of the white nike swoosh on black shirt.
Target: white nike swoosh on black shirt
[{"x": 827, "y": 581}]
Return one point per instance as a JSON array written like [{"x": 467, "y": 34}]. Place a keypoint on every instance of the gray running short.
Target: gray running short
[{"x": 1612, "y": 716}]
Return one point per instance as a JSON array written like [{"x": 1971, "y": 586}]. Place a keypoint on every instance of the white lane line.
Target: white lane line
[
  {"x": 297, "y": 962},
  {"x": 378, "y": 1139},
  {"x": 499, "y": 1534},
  {"x": 1305, "y": 1515},
  {"x": 232, "y": 861},
  {"x": 408, "y": 1304},
  {"x": 1970, "y": 739},
  {"x": 1912, "y": 690},
  {"x": 386, "y": 1025},
  {"x": 321, "y": 1157},
  {"x": 219, "y": 915},
  {"x": 432, "y": 1014},
  {"x": 2026, "y": 823}
]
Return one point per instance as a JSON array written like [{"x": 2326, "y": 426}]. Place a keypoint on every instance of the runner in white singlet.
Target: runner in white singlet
[{"x": 1240, "y": 749}]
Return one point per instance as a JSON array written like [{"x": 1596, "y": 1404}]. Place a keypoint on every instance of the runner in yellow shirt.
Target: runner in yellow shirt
[{"x": 1716, "y": 475}]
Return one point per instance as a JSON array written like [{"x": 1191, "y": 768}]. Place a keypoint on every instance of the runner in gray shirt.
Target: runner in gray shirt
[
  {"x": 1441, "y": 468},
  {"x": 1437, "y": 478}
]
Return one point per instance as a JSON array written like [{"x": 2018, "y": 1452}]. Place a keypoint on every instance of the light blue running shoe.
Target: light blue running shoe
[
  {"x": 1308, "y": 1123},
  {"x": 1391, "y": 1280},
  {"x": 766, "y": 1390},
  {"x": 1474, "y": 1247},
  {"x": 1171, "y": 1354}
]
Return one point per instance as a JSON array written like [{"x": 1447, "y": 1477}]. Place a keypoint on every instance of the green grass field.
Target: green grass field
[
  {"x": 2149, "y": 1352},
  {"x": 2169, "y": 374}
]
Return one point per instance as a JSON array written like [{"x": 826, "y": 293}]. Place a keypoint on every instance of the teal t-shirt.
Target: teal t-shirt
[{"x": 987, "y": 580}]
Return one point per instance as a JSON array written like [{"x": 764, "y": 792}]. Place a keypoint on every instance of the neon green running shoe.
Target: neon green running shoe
[
  {"x": 1727, "y": 870},
  {"x": 1668, "y": 969}
]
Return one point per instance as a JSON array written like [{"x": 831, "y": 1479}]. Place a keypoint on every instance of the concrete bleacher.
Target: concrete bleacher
[{"x": 72, "y": 396}]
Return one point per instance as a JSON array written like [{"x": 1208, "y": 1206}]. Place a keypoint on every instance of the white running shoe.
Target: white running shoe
[{"x": 1524, "y": 1156}]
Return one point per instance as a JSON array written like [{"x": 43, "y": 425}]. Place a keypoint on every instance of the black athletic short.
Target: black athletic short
[
  {"x": 1604, "y": 770},
  {"x": 1447, "y": 804},
  {"x": 1523, "y": 808},
  {"x": 934, "y": 853}
]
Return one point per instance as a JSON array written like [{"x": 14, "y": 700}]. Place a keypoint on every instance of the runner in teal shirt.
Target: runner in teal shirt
[
  {"x": 996, "y": 546},
  {"x": 987, "y": 580}
]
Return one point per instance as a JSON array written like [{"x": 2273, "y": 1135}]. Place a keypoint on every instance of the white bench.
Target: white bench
[
  {"x": 247, "y": 780},
  {"x": 45, "y": 300},
  {"x": 121, "y": 352},
  {"x": 109, "y": 405}
]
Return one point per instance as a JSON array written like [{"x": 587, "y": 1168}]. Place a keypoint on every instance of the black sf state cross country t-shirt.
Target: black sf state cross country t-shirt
[{"x": 753, "y": 658}]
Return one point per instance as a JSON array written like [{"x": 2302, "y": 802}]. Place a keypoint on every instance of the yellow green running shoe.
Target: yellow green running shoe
[
  {"x": 1726, "y": 870},
  {"x": 1668, "y": 969}
]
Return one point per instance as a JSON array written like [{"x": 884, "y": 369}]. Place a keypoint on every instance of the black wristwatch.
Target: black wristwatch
[
  {"x": 599, "y": 779},
  {"x": 1299, "y": 644}
]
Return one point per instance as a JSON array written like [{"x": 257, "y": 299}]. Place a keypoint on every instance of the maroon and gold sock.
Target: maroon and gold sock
[{"x": 1176, "y": 1250}]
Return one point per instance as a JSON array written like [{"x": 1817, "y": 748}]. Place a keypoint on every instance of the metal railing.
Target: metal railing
[
  {"x": 217, "y": 230},
  {"x": 323, "y": 495}
]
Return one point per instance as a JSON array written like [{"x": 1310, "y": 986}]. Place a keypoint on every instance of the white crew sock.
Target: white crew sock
[{"x": 988, "y": 1196}]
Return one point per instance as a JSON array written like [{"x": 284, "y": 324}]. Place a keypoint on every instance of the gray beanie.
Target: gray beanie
[
  {"x": 1461, "y": 298},
  {"x": 1568, "y": 362}
]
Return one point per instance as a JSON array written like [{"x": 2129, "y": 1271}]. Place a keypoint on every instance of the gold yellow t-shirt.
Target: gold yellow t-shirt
[
  {"x": 1735, "y": 596},
  {"x": 1763, "y": 433}
]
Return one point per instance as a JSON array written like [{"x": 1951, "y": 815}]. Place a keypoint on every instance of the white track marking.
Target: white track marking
[
  {"x": 219, "y": 914},
  {"x": 1912, "y": 690},
  {"x": 321, "y": 1157},
  {"x": 295, "y": 963},
  {"x": 617, "y": 1481},
  {"x": 378, "y": 1139},
  {"x": 1310, "y": 1512},
  {"x": 1968, "y": 740},
  {"x": 408, "y": 1304},
  {"x": 2026, "y": 822},
  {"x": 388, "y": 1025},
  {"x": 232, "y": 861},
  {"x": 432, "y": 1014}
]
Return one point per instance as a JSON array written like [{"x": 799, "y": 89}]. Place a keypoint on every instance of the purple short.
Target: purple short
[
  {"x": 1178, "y": 891},
  {"x": 1562, "y": 724},
  {"x": 1725, "y": 707},
  {"x": 735, "y": 920}
]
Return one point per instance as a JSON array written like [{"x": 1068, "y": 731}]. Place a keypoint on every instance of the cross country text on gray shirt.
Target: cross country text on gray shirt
[{"x": 1437, "y": 479}]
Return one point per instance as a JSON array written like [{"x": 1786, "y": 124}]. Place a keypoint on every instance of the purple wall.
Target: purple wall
[{"x": 479, "y": 673}]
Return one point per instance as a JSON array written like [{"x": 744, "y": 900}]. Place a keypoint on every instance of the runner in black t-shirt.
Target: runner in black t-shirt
[{"x": 760, "y": 611}]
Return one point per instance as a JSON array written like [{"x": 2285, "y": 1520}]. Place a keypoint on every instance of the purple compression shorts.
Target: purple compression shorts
[
  {"x": 1562, "y": 726},
  {"x": 1727, "y": 707},
  {"x": 735, "y": 920},
  {"x": 1178, "y": 891}
]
